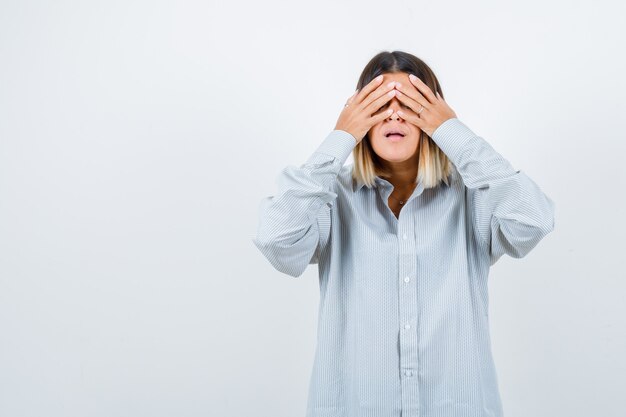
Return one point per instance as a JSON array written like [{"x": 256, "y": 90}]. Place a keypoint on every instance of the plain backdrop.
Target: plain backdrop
[{"x": 137, "y": 139}]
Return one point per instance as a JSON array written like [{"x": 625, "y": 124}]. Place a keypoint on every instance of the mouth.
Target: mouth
[
  {"x": 391, "y": 130},
  {"x": 394, "y": 137}
]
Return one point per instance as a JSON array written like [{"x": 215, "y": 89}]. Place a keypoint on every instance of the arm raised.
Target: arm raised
[
  {"x": 510, "y": 213},
  {"x": 294, "y": 224}
]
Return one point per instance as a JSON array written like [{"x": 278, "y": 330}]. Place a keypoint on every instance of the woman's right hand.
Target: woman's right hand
[{"x": 357, "y": 117}]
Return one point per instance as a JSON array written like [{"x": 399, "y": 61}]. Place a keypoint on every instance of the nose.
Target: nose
[{"x": 395, "y": 105}]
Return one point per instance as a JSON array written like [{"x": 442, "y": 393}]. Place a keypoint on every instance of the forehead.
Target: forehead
[{"x": 396, "y": 76}]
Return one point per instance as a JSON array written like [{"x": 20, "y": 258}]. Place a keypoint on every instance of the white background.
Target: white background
[{"x": 137, "y": 139}]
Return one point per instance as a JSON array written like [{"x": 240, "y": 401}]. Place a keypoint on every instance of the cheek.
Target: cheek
[
  {"x": 375, "y": 133},
  {"x": 377, "y": 128}
]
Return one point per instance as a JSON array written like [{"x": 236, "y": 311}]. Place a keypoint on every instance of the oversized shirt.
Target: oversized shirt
[{"x": 403, "y": 327}]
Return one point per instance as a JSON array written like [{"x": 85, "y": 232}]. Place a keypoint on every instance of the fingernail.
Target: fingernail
[
  {"x": 413, "y": 77},
  {"x": 380, "y": 77}
]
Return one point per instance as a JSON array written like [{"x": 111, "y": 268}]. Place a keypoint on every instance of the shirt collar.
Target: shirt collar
[
  {"x": 378, "y": 181},
  {"x": 381, "y": 182}
]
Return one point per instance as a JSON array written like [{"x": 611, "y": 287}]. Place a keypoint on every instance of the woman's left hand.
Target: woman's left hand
[{"x": 417, "y": 94}]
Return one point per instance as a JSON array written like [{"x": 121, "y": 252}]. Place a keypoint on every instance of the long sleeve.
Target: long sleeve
[
  {"x": 294, "y": 224},
  {"x": 510, "y": 213}
]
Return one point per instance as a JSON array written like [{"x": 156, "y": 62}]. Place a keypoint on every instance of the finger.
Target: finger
[
  {"x": 412, "y": 117},
  {"x": 424, "y": 89},
  {"x": 379, "y": 117},
  {"x": 408, "y": 101},
  {"x": 377, "y": 94},
  {"x": 413, "y": 93},
  {"x": 379, "y": 102},
  {"x": 371, "y": 86}
]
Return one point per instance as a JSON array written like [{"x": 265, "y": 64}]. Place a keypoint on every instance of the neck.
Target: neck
[{"x": 403, "y": 174}]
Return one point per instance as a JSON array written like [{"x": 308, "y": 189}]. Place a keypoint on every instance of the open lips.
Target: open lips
[{"x": 394, "y": 132}]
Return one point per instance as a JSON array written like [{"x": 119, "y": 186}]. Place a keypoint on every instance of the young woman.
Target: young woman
[{"x": 404, "y": 238}]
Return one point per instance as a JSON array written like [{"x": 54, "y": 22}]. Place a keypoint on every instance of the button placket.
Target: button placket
[{"x": 407, "y": 302}]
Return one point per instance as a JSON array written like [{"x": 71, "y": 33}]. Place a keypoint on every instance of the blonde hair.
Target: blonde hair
[{"x": 434, "y": 166}]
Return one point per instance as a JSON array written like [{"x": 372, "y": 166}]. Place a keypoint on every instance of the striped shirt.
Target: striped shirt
[{"x": 403, "y": 325}]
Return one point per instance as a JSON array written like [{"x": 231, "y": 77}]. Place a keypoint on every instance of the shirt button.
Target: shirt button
[
  {"x": 408, "y": 372},
  {"x": 407, "y": 326},
  {"x": 407, "y": 279}
]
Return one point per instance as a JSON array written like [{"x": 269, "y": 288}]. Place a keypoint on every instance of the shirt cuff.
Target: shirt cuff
[
  {"x": 338, "y": 144},
  {"x": 452, "y": 136}
]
